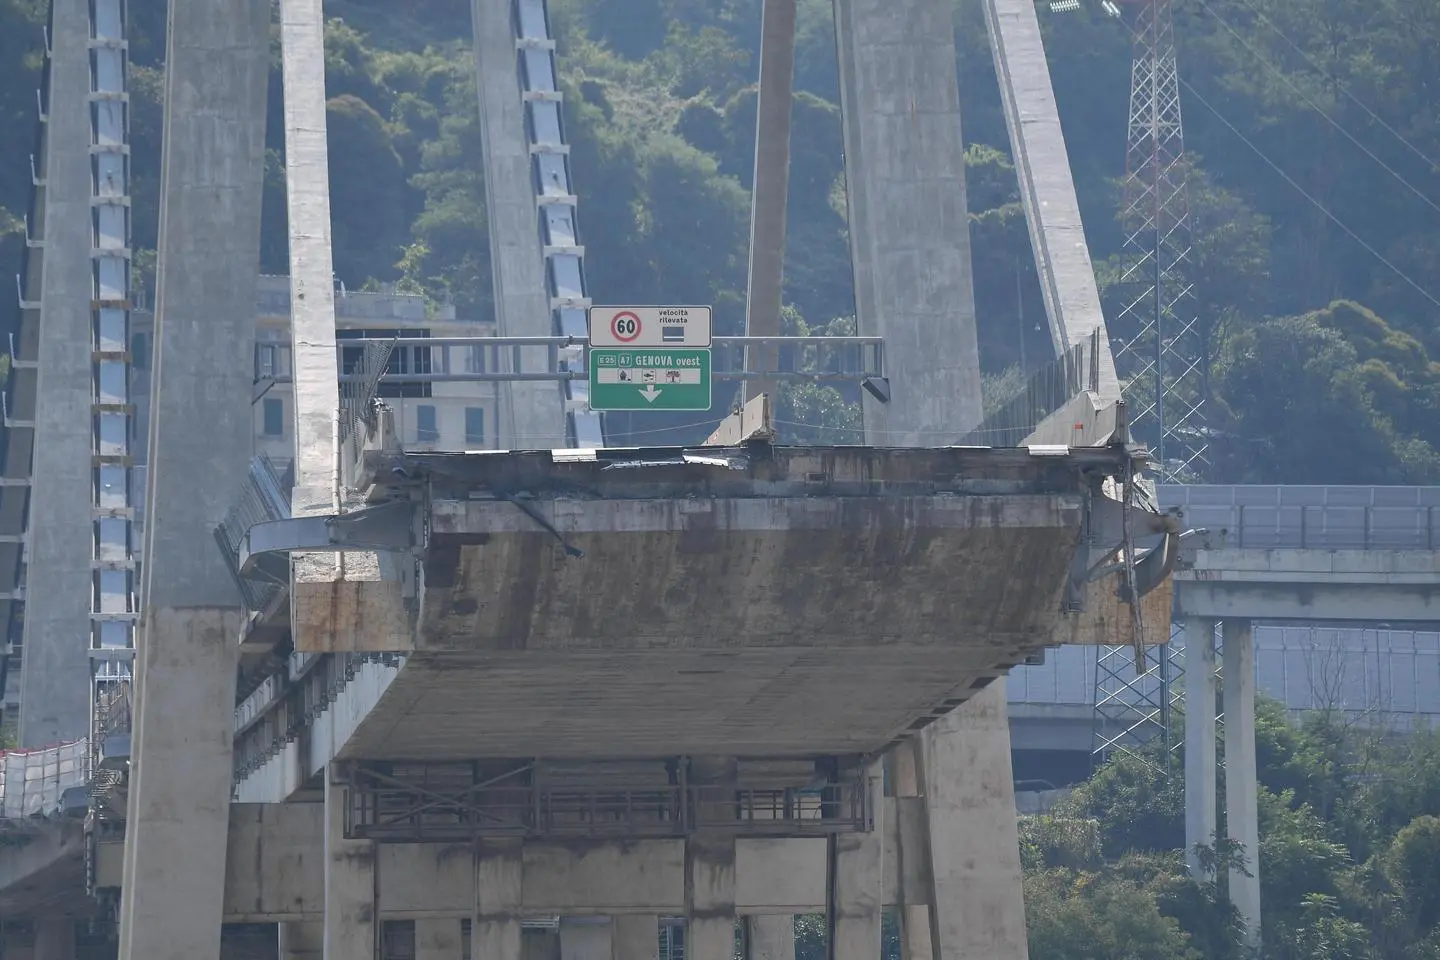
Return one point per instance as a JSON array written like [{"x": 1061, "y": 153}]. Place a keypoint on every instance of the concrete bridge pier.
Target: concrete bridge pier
[
  {"x": 437, "y": 939},
  {"x": 910, "y": 246},
  {"x": 768, "y": 938},
  {"x": 301, "y": 941},
  {"x": 201, "y": 432},
  {"x": 352, "y": 924},
  {"x": 638, "y": 937},
  {"x": 499, "y": 901},
  {"x": 54, "y": 940},
  {"x": 1241, "y": 786},
  {"x": 1241, "y": 779}
]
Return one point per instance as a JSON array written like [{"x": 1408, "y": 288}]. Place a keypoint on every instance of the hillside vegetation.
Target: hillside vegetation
[
  {"x": 1314, "y": 190},
  {"x": 1313, "y": 127}
]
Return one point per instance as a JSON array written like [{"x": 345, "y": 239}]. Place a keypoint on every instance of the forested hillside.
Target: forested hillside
[
  {"x": 1312, "y": 124},
  {"x": 1313, "y": 127}
]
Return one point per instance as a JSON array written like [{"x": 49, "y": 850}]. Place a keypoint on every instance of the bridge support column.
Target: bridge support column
[
  {"x": 710, "y": 897},
  {"x": 770, "y": 186},
  {"x": 1241, "y": 782},
  {"x": 1200, "y": 764},
  {"x": 302, "y": 941},
  {"x": 55, "y": 671},
  {"x": 978, "y": 900},
  {"x": 585, "y": 938},
  {"x": 436, "y": 940},
  {"x": 907, "y": 783},
  {"x": 857, "y": 865},
  {"x": 351, "y": 925},
  {"x": 635, "y": 937},
  {"x": 54, "y": 940},
  {"x": 532, "y": 414},
  {"x": 202, "y": 434},
  {"x": 499, "y": 902},
  {"x": 769, "y": 938}
]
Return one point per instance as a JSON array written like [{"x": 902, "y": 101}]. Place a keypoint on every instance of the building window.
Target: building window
[
  {"x": 274, "y": 415},
  {"x": 474, "y": 359},
  {"x": 267, "y": 361},
  {"x": 474, "y": 427},
  {"x": 426, "y": 429},
  {"x": 140, "y": 351}
]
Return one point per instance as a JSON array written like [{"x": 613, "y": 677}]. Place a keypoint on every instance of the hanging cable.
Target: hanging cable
[
  {"x": 1304, "y": 193},
  {"x": 1260, "y": 15},
  {"x": 1316, "y": 107}
]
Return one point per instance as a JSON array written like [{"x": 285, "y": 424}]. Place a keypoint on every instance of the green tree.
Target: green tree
[
  {"x": 1286, "y": 382},
  {"x": 371, "y": 205}
]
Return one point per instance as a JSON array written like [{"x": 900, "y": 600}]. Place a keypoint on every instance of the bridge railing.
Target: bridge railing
[
  {"x": 1312, "y": 518},
  {"x": 1048, "y": 389},
  {"x": 32, "y": 782}
]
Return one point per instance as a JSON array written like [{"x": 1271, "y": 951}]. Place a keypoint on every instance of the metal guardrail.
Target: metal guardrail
[
  {"x": 500, "y": 359},
  {"x": 400, "y": 810},
  {"x": 264, "y": 497},
  {"x": 358, "y": 415},
  {"x": 1048, "y": 389},
  {"x": 1311, "y": 518}
]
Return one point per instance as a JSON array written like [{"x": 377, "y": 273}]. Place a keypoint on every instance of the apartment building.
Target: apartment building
[{"x": 437, "y": 416}]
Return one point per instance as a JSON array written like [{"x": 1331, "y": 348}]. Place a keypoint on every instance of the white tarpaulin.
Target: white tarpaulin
[{"x": 32, "y": 781}]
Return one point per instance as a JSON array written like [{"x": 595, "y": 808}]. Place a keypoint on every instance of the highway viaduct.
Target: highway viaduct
[{"x": 729, "y": 680}]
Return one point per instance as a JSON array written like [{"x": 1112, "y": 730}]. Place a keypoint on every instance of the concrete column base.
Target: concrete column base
[
  {"x": 54, "y": 940},
  {"x": 770, "y": 938},
  {"x": 301, "y": 941},
  {"x": 710, "y": 869},
  {"x": 974, "y": 857},
  {"x": 499, "y": 880},
  {"x": 585, "y": 938},
  {"x": 858, "y": 862},
  {"x": 1241, "y": 780},
  {"x": 351, "y": 924},
  {"x": 635, "y": 938},
  {"x": 436, "y": 940},
  {"x": 1200, "y": 765}
]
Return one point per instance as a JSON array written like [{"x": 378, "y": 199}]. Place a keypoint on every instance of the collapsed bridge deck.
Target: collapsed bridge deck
[{"x": 757, "y": 601}]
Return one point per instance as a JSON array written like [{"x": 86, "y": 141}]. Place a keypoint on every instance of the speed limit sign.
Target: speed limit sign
[
  {"x": 625, "y": 326},
  {"x": 650, "y": 326}
]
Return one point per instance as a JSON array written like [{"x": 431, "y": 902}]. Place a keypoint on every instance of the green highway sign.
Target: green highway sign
[{"x": 649, "y": 378}]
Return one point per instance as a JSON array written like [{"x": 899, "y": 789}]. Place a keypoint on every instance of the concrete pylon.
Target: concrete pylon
[
  {"x": 909, "y": 225},
  {"x": 55, "y": 671},
  {"x": 532, "y": 414},
  {"x": 765, "y": 295},
  {"x": 217, "y": 66},
  {"x": 1042, "y": 165},
  {"x": 910, "y": 245}
]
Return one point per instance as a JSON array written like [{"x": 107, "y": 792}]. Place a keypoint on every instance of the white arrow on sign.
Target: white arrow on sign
[{"x": 650, "y": 393}]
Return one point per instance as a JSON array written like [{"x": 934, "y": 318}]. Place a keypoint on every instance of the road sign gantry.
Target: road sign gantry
[{"x": 650, "y": 358}]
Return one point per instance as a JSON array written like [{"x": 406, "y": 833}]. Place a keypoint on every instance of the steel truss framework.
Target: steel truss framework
[
  {"x": 1135, "y": 709},
  {"x": 454, "y": 802},
  {"x": 1163, "y": 350}
]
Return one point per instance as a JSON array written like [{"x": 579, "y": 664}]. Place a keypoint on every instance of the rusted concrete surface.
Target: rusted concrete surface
[
  {"x": 1109, "y": 621},
  {"x": 771, "y": 601},
  {"x": 867, "y": 571}
]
